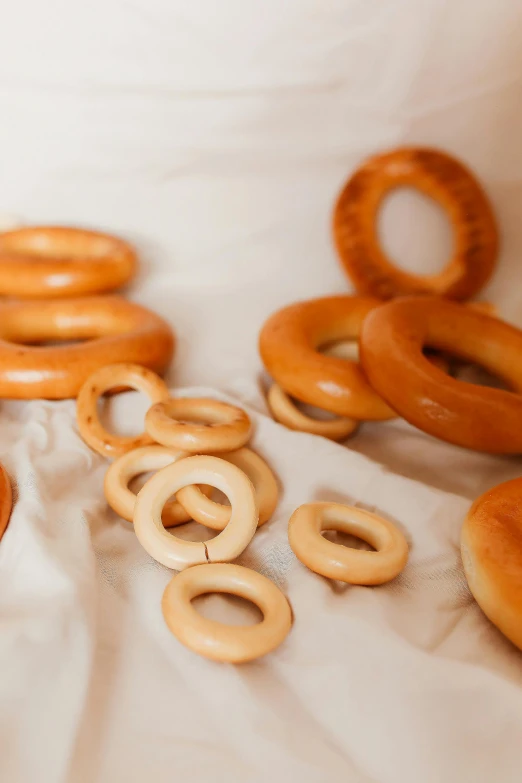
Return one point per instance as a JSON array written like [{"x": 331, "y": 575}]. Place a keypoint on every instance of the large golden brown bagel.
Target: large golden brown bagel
[
  {"x": 289, "y": 345},
  {"x": 478, "y": 417},
  {"x": 443, "y": 179},
  {"x": 113, "y": 330},
  {"x": 43, "y": 262}
]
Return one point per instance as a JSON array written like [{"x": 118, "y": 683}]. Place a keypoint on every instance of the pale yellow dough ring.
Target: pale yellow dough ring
[
  {"x": 120, "y": 473},
  {"x": 286, "y": 412},
  {"x": 335, "y": 561},
  {"x": 216, "y": 515},
  {"x": 175, "y": 552},
  {"x": 220, "y": 642}
]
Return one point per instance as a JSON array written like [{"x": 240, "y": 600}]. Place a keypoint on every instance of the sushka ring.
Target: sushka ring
[
  {"x": 216, "y": 515},
  {"x": 285, "y": 411},
  {"x": 120, "y": 473},
  {"x": 111, "y": 377},
  {"x": 443, "y": 179},
  {"x": 355, "y": 566},
  {"x": 220, "y": 642},
  {"x": 175, "y": 552},
  {"x": 290, "y": 345},
  {"x": 477, "y": 417},
  {"x": 50, "y": 262},
  {"x": 198, "y": 425},
  {"x": 111, "y": 330}
]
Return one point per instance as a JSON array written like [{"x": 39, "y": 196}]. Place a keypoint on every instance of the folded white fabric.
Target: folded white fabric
[{"x": 405, "y": 682}]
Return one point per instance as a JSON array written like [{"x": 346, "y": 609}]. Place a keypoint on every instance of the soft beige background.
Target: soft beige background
[{"x": 215, "y": 136}]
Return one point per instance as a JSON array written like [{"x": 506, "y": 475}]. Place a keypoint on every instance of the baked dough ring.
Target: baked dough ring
[
  {"x": 491, "y": 544},
  {"x": 443, "y": 179},
  {"x": 122, "y": 499},
  {"x": 54, "y": 261},
  {"x": 286, "y": 412},
  {"x": 217, "y": 515},
  {"x": 108, "y": 378},
  {"x": 466, "y": 414},
  {"x": 6, "y": 500},
  {"x": 114, "y": 331},
  {"x": 289, "y": 345},
  {"x": 198, "y": 425},
  {"x": 220, "y": 642},
  {"x": 355, "y": 566},
  {"x": 174, "y": 552}
]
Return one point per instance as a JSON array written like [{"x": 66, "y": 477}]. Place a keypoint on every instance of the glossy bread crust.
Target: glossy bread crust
[
  {"x": 442, "y": 178},
  {"x": 491, "y": 545},
  {"x": 43, "y": 262},
  {"x": 112, "y": 329},
  {"x": 6, "y": 500},
  {"x": 289, "y": 345},
  {"x": 477, "y": 417}
]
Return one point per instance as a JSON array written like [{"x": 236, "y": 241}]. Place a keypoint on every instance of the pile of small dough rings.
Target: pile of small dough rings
[
  {"x": 408, "y": 329},
  {"x": 197, "y": 444},
  {"x": 58, "y": 282}
]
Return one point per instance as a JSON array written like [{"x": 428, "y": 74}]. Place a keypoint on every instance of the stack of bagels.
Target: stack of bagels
[
  {"x": 56, "y": 282},
  {"x": 407, "y": 327}
]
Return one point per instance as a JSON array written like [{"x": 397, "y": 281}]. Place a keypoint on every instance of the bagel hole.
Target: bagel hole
[
  {"x": 349, "y": 350},
  {"x": 474, "y": 373},
  {"x": 191, "y": 530},
  {"x": 415, "y": 232},
  {"x": 219, "y": 497},
  {"x": 195, "y": 420},
  {"x": 227, "y": 609},
  {"x": 347, "y": 539},
  {"x": 342, "y": 349},
  {"x": 201, "y": 412},
  {"x": 123, "y": 414},
  {"x": 314, "y": 413},
  {"x": 37, "y": 343},
  {"x": 138, "y": 481}
]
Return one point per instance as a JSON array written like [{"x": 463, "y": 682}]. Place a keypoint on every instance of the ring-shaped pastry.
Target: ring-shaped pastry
[
  {"x": 289, "y": 344},
  {"x": 113, "y": 330},
  {"x": 220, "y": 642},
  {"x": 443, "y": 179},
  {"x": 121, "y": 472},
  {"x": 216, "y": 515},
  {"x": 286, "y": 412},
  {"x": 198, "y": 425},
  {"x": 176, "y": 553},
  {"x": 355, "y": 566},
  {"x": 491, "y": 545},
  {"x": 6, "y": 500},
  {"x": 477, "y": 417},
  {"x": 115, "y": 376},
  {"x": 53, "y": 261}
]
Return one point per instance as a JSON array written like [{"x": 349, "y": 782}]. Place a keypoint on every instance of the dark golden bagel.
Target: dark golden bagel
[
  {"x": 43, "y": 262},
  {"x": 477, "y": 417},
  {"x": 443, "y": 179},
  {"x": 289, "y": 345},
  {"x": 114, "y": 331}
]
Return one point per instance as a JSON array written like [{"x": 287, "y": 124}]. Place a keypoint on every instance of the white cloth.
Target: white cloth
[{"x": 215, "y": 136}]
